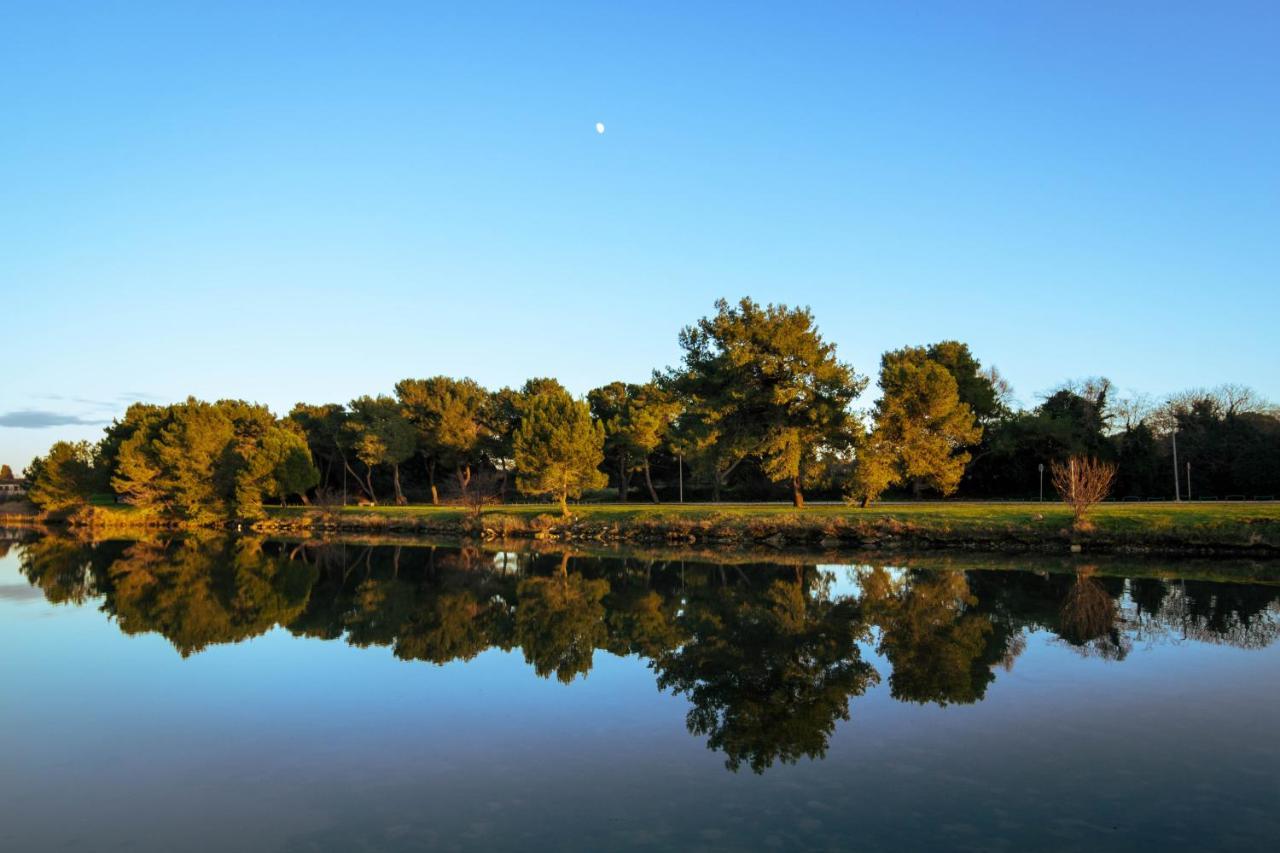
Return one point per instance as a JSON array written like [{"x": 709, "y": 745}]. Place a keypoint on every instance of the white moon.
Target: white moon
[{"x": 599, "y": 127}]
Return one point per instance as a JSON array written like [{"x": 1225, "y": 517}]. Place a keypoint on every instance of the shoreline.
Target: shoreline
[{"x": 1238, "y": 530}]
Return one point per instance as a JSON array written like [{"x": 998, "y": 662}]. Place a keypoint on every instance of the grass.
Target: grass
[
  {"x": 1117, "y": 526},
  {"x": 1251, "y": 529},
  {"x": 1115, "y": 516}
]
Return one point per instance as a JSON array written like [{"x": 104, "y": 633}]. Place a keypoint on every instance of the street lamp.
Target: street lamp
[
  {"x": 1041, "y": 467},
  {"x": 1177, "y": 487}
]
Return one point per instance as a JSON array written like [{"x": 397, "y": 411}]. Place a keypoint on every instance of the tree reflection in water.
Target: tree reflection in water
[{"x": 768, "y": 658}]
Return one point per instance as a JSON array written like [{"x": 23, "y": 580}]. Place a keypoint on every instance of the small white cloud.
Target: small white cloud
[{"x": 599, "y": 127}]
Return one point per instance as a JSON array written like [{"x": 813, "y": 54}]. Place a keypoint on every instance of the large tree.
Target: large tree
[
  {"x": 921, "y": 426},
  {"x": 64, "y": 477},
  {"x": 204, "y": 462},
  {"x": 449, "y": 418},
  {"x": 636, "y": 419},
  {"x": 324, "y": 429},
  {"x": 380, "y": 435},
  {"x": 761, "y": 381},
  {"x": 557, "y": 447},
  {"x": 985, "y": 392}
]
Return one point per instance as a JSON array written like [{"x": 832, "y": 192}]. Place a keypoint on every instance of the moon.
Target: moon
[{"x": 599, "y": 127}]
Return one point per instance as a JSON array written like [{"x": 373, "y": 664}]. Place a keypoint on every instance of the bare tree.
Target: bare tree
[
  {"x": 1082, "y": 481},
  {"x": 483, "y": 489},
  {"x": 1133, "y": 411},
  {"x": 1002, "y": 388}
]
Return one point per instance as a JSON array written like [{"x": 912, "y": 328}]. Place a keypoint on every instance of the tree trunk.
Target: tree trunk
[
  {"x": 797, "y": 496},
  {"x": 463, "y": 473},
  {"x": 360, "y": 481},
  {"x": 431, "y": 481},
  {"x": 623, "y": 485},
  {"x": 369, "y": 484},
  {"x": 865, "y": 502},
  {"x": 395, "y": 478},
  {"x": 648, "y": 481},
  {"x": 564, "y": 504}
]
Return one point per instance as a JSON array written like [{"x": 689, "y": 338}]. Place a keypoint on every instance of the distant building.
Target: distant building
[{"x": 10, "y": 489}]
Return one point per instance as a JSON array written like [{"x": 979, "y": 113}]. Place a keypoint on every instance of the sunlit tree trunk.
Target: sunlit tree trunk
[
  {"x": 431, "y": 480},
  {"x": 395, "y": 479},
  {"x": 797, "y": 496}
]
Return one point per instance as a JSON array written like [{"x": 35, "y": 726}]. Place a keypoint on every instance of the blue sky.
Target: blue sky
[{"x": 311, "y": 201}]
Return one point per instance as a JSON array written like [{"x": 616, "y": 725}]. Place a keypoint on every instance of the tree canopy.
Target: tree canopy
[
  {"x": 558, "y": 448},
  {"x": 760, "y": 380}
]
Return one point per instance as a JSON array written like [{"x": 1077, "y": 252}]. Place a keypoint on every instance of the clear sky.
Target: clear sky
[{"x": 313, "y": 200}]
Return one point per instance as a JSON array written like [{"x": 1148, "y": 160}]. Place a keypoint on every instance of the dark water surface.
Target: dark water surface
[{"x": 257, "y": 695}]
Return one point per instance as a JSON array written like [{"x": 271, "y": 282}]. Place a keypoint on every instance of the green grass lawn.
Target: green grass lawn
[{"x": 1110, "y": 517}]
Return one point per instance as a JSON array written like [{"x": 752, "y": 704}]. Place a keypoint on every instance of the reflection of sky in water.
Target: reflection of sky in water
[{"x": 281, "y": 743}]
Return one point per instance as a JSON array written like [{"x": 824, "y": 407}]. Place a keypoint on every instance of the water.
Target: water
[{"x": 258, "y": 695}]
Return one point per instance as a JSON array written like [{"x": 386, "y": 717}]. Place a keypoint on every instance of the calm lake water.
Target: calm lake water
[{"x": 258, "y": 695}]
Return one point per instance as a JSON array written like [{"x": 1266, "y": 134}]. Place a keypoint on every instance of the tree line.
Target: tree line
[{"x": 759, "y": 406}]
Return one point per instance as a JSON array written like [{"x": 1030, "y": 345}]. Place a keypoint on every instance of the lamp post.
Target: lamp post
[
  {"x": 1177, "y": 488},
  {"x": 680, "y": 466},
  {"x": 1041, "y": 467},
  {"x": 1188, "y": 480}
]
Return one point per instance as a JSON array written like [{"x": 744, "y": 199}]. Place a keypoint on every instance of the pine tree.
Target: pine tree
[
  {"x": 558, "y": 448},
  {"x": 64, "y": 478},
  {"x": 921, "y": 425}
]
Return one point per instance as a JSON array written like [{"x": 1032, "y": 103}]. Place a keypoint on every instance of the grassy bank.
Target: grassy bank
[
  {"x": 1156, "y": 528},
  {"x": 1251, "y": 529}
]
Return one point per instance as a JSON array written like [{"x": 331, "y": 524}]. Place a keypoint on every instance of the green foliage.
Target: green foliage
[
  {"x": 921, "y": 426},
  {"x": 557, "y": 447},
  {"x": 874, "y": 469},
  {"x": 323, "y": 426},
  {"x": 981, "y": 391},
  {"x": 63, "y": 478},
  {"x": 636, "y": 420},
  {"x": 449, "y": 418},
  {"x": 762, "y": 381},
  {"x": 205, "y": 462},
  {"x": 380, "y": 434}
]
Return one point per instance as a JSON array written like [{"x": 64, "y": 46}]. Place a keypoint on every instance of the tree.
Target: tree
[
  {"x": 762, "y": 381},
  {"x": 1082, "y": 482},
  {"x": 6, "y": 474},
  {"x": 557, "y": 447},
  {"x": 636, "y": 419},
  {"x": 205, "y": 462},
  {"x": 921, "y": 424},
  {"x": 873, "y": 470},
  {"x": 985, "y": 392},
  {"x": 448, "y": 415},
  {"x": 63, "y": 478},
  {"x": 323, "y": 426},
  {"x": 380, "y": 435},
  {"x": 292, "y": 470}
]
